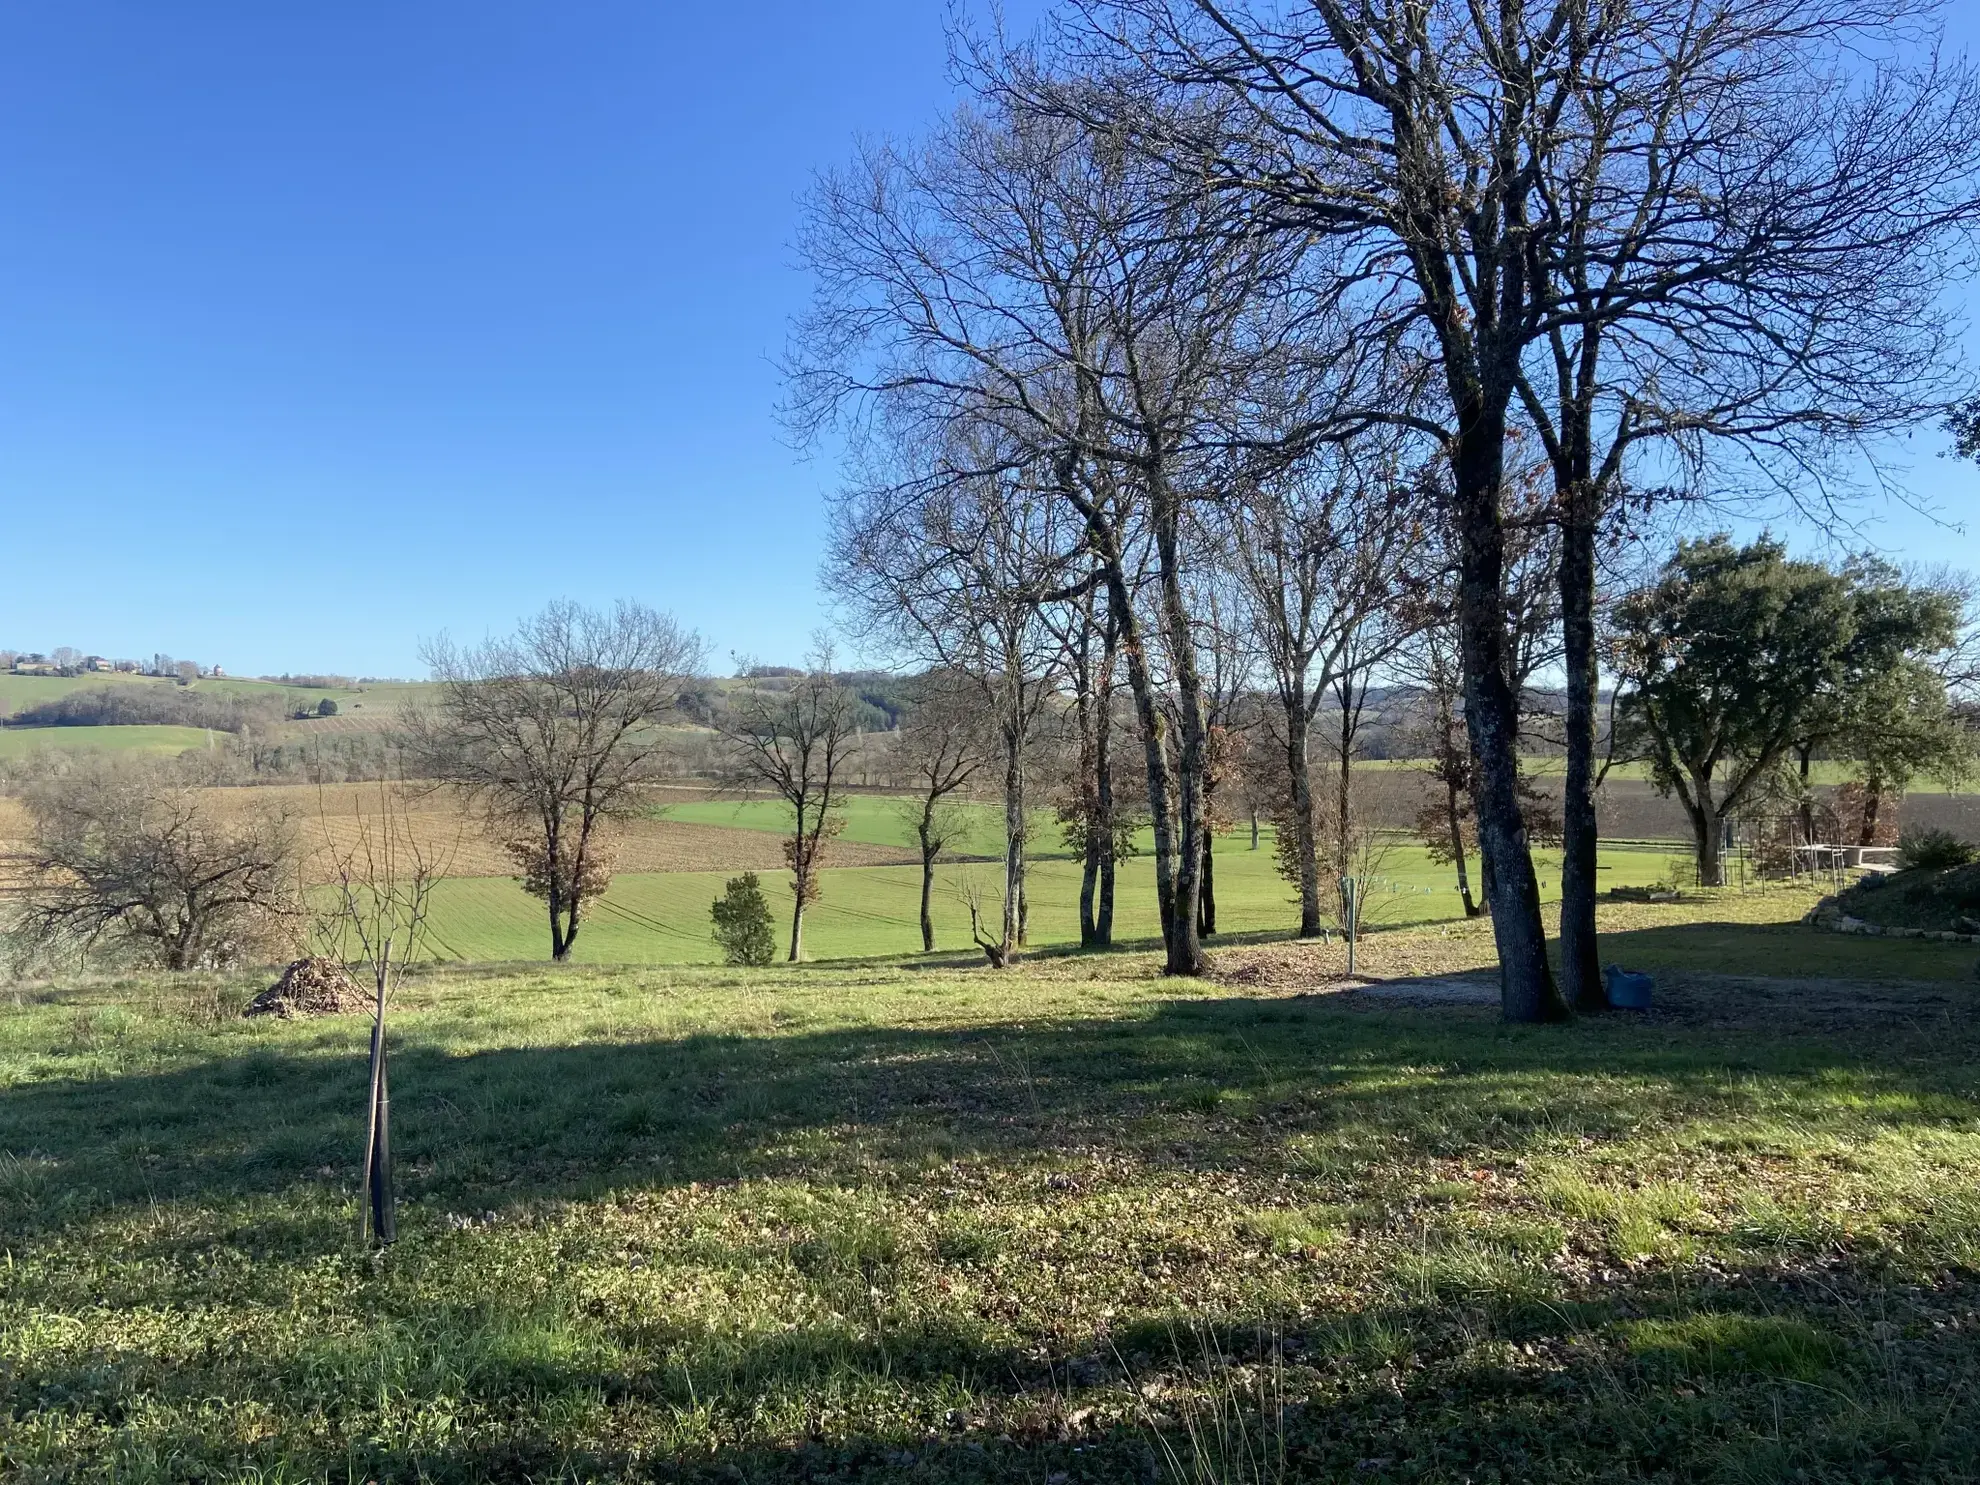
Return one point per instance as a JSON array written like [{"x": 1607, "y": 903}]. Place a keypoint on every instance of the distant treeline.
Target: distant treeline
[
  {"x": 313, "y": 682},
  {"x": 160, "y": 705},
  {"x": 880, "y": 698}
]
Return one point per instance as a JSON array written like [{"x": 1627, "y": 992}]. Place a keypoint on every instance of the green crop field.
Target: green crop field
[
  {"x": 18, "y": 742},
  {"x": 662, "y": 918},
  {"x": 872, "y": 819},
  {"x": 1823, "y": 772}
]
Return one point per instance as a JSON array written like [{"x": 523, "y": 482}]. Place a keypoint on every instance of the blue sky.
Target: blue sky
[{"x": 326, "y": 327}]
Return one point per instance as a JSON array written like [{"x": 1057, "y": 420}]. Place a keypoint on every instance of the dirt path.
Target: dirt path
[{"x": 1803, "y": 1003}]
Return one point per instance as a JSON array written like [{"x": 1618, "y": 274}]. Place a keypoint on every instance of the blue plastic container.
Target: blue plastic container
[{"x": 1627, "y": 990}]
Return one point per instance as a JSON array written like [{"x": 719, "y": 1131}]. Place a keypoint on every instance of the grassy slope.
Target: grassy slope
[
  {"x": 663, "y": 918},
  {"x": 18, "y": 691},
  {"x": 1937, "y": 900},
  {"x": 937, "y": 1226},
  {"x": 166, "y": 741}
]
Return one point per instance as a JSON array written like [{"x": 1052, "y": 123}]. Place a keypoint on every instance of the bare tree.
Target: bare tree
[
  {"x": 995, "y": 950},
  {"x": 942, "y": 745},
  {"x": 1225, "y": 661},
  {"x": 796, "y": 742},
  {"x": 1431, "y": 662},
  {"x": 1371, "y": 647},
  {"x": 377, "y": 915},
  {"x": 553, "y": 732},
  {"x": 1446, "y": 823},
  {"x": 1319, "y": 547},
  {"x": 1728, "y": 267},
  {"x": 1097, "y": 821},
  {"x": 958, "y": 563},
  {"x": 1626, "y": 219},
  {"x": 1032, "y": 276},
  {"x": 1346, "y": 135},
  {"x": 141, "y": 858}
]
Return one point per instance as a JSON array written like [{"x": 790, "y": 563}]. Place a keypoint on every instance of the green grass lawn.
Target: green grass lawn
[
  {"x": 662, "y": 918},
  {"x": 1069, "y": 1224}
]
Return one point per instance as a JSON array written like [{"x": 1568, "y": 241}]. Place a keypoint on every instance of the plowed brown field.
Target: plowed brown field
[{"x": 333, "y": 820}]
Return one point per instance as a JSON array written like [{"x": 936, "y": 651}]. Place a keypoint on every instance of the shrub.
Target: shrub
[
  {"x": 742, "y": 922},
  {"x": 1934, "y": 850},
  {"x": 326, "y": 707}
]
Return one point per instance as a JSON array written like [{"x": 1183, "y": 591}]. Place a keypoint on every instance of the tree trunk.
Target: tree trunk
[
  {"x": 1103, "y": 799},
  {"x": 555, "y": 897},
  {"x": 1873, "y": 808},
  {"x": 1206, "y": 894},
  {"x": 1806, "y": 753},
  {"x": 1089, "y": 891},
  {"x": 1299, "y": 777},
  {"x": 1581, "y": 965},
  {"x": 1154, "y": 743},
  {"x": 927, "y": 880},
  {"x": 574, "y": 908},
  {"x": 1344, "y": 794},
  {"x": 1013, "y": 839},
  {"x": 1705, "y": 827},
  {"x": 1086, "y": 778},
  {"x": 800, "y": 880},
  {"x": 1103, "y": 919},
  {"x": 1185, "y": 945},
  {"x": 1454, "y": 814},
  {"x": 1705, "y": 831},
  {"x": 1526, "y": 983}
]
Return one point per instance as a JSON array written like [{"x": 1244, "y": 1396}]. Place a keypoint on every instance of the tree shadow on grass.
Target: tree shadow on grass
[
  {"x": 1745, "y": 1376},
  {"x": 1788, "y": 950},
  {"x": 1198, "y": 1083},
  {"x": 225, "y": 1185}
]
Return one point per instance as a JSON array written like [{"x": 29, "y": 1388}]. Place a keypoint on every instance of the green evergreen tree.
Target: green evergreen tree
[
  {"x": 742, "y": 922},
  {"x": 1737, "y": 658}
]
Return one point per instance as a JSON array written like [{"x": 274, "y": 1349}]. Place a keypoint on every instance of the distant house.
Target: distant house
[
  {"x": 96, "y": 662},
  {"x": 34, "y": 665}
]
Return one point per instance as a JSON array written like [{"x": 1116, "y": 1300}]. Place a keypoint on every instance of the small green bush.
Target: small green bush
[
  {"x": 1934, "y": 850},
  {"x": 742, "y": 922},
  {"x": 327, "y": 707}
]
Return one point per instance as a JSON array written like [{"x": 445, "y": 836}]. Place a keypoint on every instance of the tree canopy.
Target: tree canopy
[{"x": 1738, "y": 655}]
